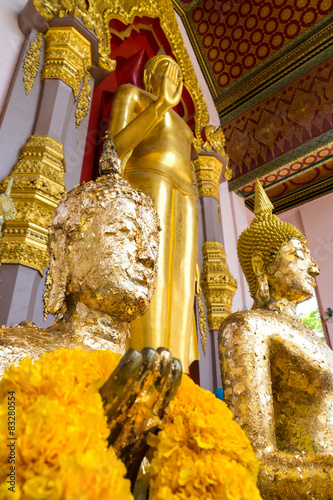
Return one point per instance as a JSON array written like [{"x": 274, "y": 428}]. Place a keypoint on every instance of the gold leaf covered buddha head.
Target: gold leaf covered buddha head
[
  {"x": 103, "y": 244},
  {"x": 270, "y": 251}
]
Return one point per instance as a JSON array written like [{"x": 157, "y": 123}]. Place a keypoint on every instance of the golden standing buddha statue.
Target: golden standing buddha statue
[
  {"x": 154, "y": 144},
  {"x": 277, "y": 374}
]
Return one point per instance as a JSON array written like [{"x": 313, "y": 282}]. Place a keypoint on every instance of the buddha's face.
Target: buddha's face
[
  {"x": 113, "y": 264},
  {"x": 292, "y": 273},
  {"x": 158, "y": 74}
]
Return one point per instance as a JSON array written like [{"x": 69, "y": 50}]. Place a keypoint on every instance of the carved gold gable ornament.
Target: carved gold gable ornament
[
  {"x": 67, "y": 58},
  {"x": 96, "y": 15}
]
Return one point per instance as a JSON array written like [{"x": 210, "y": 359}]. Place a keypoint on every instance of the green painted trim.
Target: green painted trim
[
  {"x": 294, "y": 174},
  {"x": 292, "y": 156},
  {"x": 186, "y": 8},
  {"x": 193, "y": 5},
  {"x": 180, "y": 8}
]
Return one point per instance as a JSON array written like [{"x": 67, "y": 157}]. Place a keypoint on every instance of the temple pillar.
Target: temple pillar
[
  {"x": 217, "y": 284},
  {"x": 234, "y": 220},
  {"x": 58, "y": 117}
]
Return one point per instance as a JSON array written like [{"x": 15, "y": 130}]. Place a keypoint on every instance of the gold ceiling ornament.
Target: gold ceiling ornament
[
  {"x": 38, "y": 184},
  {"x": 31, "y": 62},
  {"x": 67, "y": 56},
  {"x": 208, "y": 171},
  {"x": 264, "y": 236},
  {"x": 217, "y": 284},
  {"x": 216, "y": 142},
  {"x": 83, "y": 100},
  {"x": 245, "y": 89},
  {"x": 96, "y": 15}
]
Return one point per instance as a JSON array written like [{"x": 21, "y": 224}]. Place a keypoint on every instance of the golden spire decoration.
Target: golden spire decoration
[{"x": 109, "y": 163}]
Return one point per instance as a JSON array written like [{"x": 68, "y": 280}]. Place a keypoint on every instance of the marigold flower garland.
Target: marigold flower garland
[
  {"x": 201, "y": 453},
  {"x": 61, "y": 429}
]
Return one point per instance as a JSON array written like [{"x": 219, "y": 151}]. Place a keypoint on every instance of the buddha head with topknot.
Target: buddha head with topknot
[
  {"x": 268, "y": 252},
  {"x": 154, "y": 70},
  {"x": 103, "y": 243}
]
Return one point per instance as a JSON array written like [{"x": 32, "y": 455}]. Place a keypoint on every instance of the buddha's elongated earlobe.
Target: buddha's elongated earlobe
[
  {"x": 147, "y": 80},
  {"x": 262, "y": 293}
]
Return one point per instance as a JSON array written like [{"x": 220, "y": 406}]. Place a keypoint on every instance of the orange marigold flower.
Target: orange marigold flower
[
  {"x": 61, "y": 429},
  {"x": 201, "y": 452},
  {"x": 62, "y": 435}
]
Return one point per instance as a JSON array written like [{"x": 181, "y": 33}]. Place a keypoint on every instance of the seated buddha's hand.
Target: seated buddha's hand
[{"x": 135, "y": 397}]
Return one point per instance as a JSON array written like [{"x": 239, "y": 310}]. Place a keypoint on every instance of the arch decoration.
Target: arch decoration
[{"x": 96, "y": 15}]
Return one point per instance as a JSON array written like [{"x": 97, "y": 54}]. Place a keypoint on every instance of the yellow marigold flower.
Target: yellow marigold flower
[
  {"x": 201, "y": 452},
  {"x": 61, "y": 438},
  {"x": 61, "y": 429}
]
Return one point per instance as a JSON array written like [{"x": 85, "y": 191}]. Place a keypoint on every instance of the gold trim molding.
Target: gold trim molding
[
  {"x": 208, "y": 171},
  {"x": 83, "y": 101},
  {"x": 31, "y": 62},
  {"x": 202, "y": 321},
  {"x": 96, "y": 15},
  {"x": 38, "y": 184},
  {"x": 67, "y": 56},
  {"x": 217, "y": 284},
  {"x": 216, "y": 142}
]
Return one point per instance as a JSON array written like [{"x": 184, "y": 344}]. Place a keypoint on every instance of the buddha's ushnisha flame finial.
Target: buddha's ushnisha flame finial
[
  {"x": 262, "y": 204},
  {"x": 161, "y": 51},
  {"x": 109, "y": 163}
]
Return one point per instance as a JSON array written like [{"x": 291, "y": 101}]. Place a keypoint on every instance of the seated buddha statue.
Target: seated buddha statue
[
  {"x": 103, "y": 243},
  {"x": 277, "y": 374},
  {"x": 103, "y": 248}
]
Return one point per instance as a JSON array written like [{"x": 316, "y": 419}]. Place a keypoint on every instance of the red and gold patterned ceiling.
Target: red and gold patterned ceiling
[{"x": 269, "y": 67}]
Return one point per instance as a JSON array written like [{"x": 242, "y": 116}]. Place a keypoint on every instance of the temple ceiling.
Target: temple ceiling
[{"x": 269, "y": 67}]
